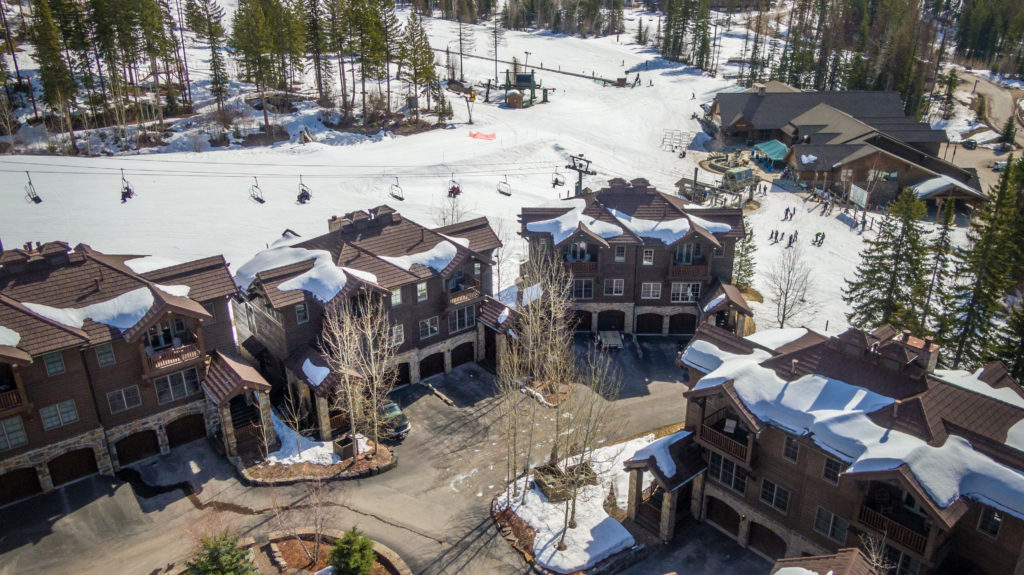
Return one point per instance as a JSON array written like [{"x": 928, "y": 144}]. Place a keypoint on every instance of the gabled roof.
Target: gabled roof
[
  {"x": 305, "y": 362},
  {"x": 478, "y": 231},
  {"x": 848, "y": 561},
  {"x": 496, "y": 315},
  {"x": 228, "y": 376},
  {"x": 677, "y": 454},
  {"x": 724, "y": 296},
  {"x": 207, "y": 278},
  {"x": 164, "y": 303}
]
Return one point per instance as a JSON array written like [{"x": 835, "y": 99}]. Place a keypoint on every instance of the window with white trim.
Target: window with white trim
[
  {"x": 105, "y": 355},
  {"x": 428, "y": 327},
  {"x": 831, "y": 471},
  {"x": 54, "y": 363},
  {"x": 686, "y": 254},
  {"x": 648, "y": 257},
  {"x": 831, "y": 525},
  {"x": 177, "y": 385},
  {"x": 12, "y": 433},
  {"x": 990, "y": 521},
  {"x": 582, "y": 288},
  {"x": 774, "y": 495},
  {"x": 620, "y": 253},
  {"x": 421, "y": 291},
  {"x": 477, "y": 268},
  {"x": 398, "y": 334},
  {"x": 58, "y": 414},
  {"x": 614, "y": 286},
  {"x": 683, "y": 292},
  {"x": 124, "y": 399},
  {"x": 461, "y": 319},
  {"x": 724, "y": 471},
  {"x": 791, "y": 450},
  {"x": 650, "y": 290},
  {"x": 301, "y": 313}
]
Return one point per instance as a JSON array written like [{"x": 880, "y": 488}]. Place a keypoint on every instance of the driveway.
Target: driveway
[
  {"x": 999, "y": 102},
  {"x": 702, "y": 549}
]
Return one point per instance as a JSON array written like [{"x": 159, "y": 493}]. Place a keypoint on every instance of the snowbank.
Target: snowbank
[
  {"x": 707, "y": 357},
  {"x": 668, "y": 231},
  {"x": 298, "y": 449},
  {"x": 564, "y": 225},
  {"x": 713, "y": 227},
  {"x": 324, "y": 280},
  {"x": 315, "y": 374},
  {"x": 436, "y": 258},
  {"x": 776, "y": 338},
  {"x": 121, "y": 312},
  {"x": 9, "y": 336},
  {"x": 531, "y": 293}
]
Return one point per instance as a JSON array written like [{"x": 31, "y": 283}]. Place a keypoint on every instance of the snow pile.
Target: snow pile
[
  {"x": 536, "y": 395},
  {"x": 9, "y": 336},
  {"x": 776, "y": 338},
  {"x": 659, "y": 449},
  {"x": 808, "y": 158},
  {"x": 436, "y": 258},
  {"x": 503, "y": 316},
  {"x": 986, "y": 137},
  {"x": 668, "y": 231},
  {"x": 834, "y": 414},
  {"x": 509, "y": 296},
  {"x": 711, "y": 304},
  {"x": 707, "y": 357},
  {"x": 298, "y": 449},
  {"x": 531, "y": 293},
  {"x": 121, "y": 312},
  {"x": 564, "y": 225},
  {"x": 596, "y": 536},
  {"x": 149, "y": 263},
  {"x": 315, "y": 374},
  {"x": 324, "y": 280},
  {"x": 1015, "y": 436},
  {"x": 175, "y": 290},
  {"x": 972, "y": 382},
  {"x": 794, "y": 571},
  {"x": 713, "y": 227}
]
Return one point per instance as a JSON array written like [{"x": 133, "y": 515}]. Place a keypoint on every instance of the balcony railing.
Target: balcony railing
[
  {"x": 723, "y": 442},
  {"x": 10, "y": 399},
  {"x": 174, "y": 355},
  {"x": 581, "y": 267},
  {"x": 892, "y": 529},
  {"x": 697, "y": 269},
  {"x": 469, "y": 291}
]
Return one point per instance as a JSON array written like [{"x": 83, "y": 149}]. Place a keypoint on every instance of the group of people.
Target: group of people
[{"x": 777, "y": 236}]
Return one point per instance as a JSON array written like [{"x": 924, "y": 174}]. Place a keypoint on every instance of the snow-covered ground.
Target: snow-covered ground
[{"x": 596, "y": 536}]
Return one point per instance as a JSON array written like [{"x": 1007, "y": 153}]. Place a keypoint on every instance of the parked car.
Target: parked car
[
  {"x": 970, "y": 144},
  {"x": 396, "y": 424},
  {"x": 999, "y": 166}
]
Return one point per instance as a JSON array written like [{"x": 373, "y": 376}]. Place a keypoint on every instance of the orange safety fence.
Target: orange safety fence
[{"x": 482, "y": 136}]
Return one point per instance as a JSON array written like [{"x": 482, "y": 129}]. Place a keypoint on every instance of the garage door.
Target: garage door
[
  {"x": 648, "y": 323},
  {"x": 611, "y": 320},
  {"x": 766, "y": 541},
  {"x": 723, "y": 516},
  {"x": 582, "y": 319},
  {"x": 72, "y": 465},
  {"x": 18, "y": 484},
  {"x": 682, "y": 324},
  {"x": 188, "y": 428},
  {"x": 431, "y": 365},
  {"x": 137, "y": 446},
  {"x": 462, "y": 354}
]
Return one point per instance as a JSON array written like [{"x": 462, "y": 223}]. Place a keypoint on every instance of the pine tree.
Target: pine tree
[
  {"x": 702, "y": 36},
  {"x": 418, "y": 59},
  {"x": 745, "y": 264},
  {"x": 1010, "y": 348},
  {"x": 391, "y": 32},
  {"x": 221, "y": 555},
  {"x": 889, "y": 284},
  {"x": 251, "y": 38},
  {"x": 941, "y": 249},
  {"x": 316, "y": 48},
  {"x": 206, "y": 19},
  {"x": 1009, "y": 132},
  {"x": 352, "y": 554},
  {"x": 59, "y": 87}
]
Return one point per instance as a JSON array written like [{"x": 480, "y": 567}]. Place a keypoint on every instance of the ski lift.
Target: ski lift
[
  {"x": 454, "y": 189},
  {"x": 504, "y": 188},
  {"x": 305, "y": 194},
  {"x": 255, "y": 193},
  {"x": 396, "y": 190},
  {"x": 557, "y": 179},
  {"x": 127, "y": 191},
  {"x": 30, "y": 191}
]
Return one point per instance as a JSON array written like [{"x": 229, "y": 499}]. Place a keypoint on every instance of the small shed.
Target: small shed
[
  {"x": 514, "y": 99},
  {"x": 770, "y": 154}
]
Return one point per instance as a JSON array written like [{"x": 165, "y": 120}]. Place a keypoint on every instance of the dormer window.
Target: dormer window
[
  {"x": 578, "y": 252},
  {"x": 687, "y": 253}
]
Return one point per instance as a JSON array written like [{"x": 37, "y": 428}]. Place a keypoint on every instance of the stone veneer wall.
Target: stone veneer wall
[
  {"x": 39, "y": 458},
  {"x": 157, "y": 422},
  {"x": 595, "y": 308},
  {"x": 413, "y": 356}
]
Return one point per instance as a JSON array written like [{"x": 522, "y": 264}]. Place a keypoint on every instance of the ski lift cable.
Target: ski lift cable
[{"x": 64, "y": 170}]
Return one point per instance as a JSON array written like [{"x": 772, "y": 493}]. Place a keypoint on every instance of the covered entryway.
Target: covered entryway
[
  {"x": 611, "y": 320},
  {"x": 682, "y": 324},
  {"x": 19, "y": 484},
  {"x": 766, "y": 541},
  {"x": 403, "y": 377},
  {"x": 723, "y": 516},
  {"x": 185, "y": 429},
  {"x": 582, "y": 320},
  {"x": 431, "y": 365},
  {"x": 463, "y": 354},
  {"x": 490, "y": 346},
  {"x": 648, "y": 323},
  {"x": 137, "y": 446},
  {"x": 74, "y": 465}
]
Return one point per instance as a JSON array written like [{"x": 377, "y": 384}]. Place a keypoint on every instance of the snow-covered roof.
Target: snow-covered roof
[
  {"x": 147, "y": 264},
  {"x": 659, "y": 450},
  {"x": 776, "y": 338},
  {"x": 563, "y": 226},
  {"x": 972, "y": 382},
  {"x": 9, "y": 337},
  {"x": 668, "y": 231},
  {"x": 711, "y": 304},
  {"x": 938, "y": 184},
  {"x": 436, "y": 258},
  {"x": 315, "y": 374},
  {"x": 323, "y": 280},
  {"x": 531, "y": 293},
  {"x": 121, "y": 312}
]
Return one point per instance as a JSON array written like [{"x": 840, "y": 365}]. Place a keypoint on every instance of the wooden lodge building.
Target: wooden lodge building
[
  {"x": 806, "y": 442},
  {"x": 437, "y": 284},
  {"x": 106, "y": 360},
  {"x": 642, "y": 261}
]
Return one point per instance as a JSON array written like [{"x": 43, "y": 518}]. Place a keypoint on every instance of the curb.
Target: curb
[
  {"x": 341, "y": 475},
  {"x": 387, "y": 554}
]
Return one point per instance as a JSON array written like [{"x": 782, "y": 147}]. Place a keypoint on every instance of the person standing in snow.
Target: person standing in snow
[
  {"x": 796, "y": 235},
  {"x": 821, "y": 240},
  {"x": 786, "y": 216},
  {"x": 816, "y": 236},
  {"x": 863, "y": 224}
]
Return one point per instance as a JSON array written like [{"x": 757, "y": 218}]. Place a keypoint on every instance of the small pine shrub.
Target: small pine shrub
[
  {"x": 352, "y": 554},
  {"x": 221, "y": 555}
]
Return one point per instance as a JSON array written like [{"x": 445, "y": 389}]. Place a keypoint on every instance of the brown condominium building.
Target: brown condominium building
[
  {"x": 437, "y": 283},
  {"x": 108, "y": 359},
  {"x": 642, "y": 261},
  {"x": 808, "y": 444}
]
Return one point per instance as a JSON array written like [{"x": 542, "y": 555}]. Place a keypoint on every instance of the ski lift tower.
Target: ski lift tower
[{"x": 581, "y": 166}]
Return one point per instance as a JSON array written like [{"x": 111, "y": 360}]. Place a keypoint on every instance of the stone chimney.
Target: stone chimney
[
  {"x": 761, "y": 89},
  {"x": 926, "y": 349}
]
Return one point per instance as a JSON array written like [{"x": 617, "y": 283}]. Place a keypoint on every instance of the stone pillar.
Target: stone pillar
[
  {"x": 227, "y": 429},
  {"x": 636, "y": 488},
  {"x": 743, "y": 535},
  {"x": 741, "y": 321},
  {"x": 102, "y": 455},
  {"x": 480, "y": 348},
  {"x": 45, "y": 481},
  {"x": 115, "y": 463},
  {"x": 696, "y": 503},
  {"x": 593, "y": 322},
  {"x": 265, "y": 418},
  {"x": 447, "y": 360},
  {"x": 414, "y": 368},
  {"x": 669, "y": 502},
  {"x": 664, "y": 324},
  {"x": 323, "y": 417},
  {"x": 161, "y": 438}
]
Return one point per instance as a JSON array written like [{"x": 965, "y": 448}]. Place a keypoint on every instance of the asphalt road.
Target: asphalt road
[
  {"x": 999, "y": 103},
  {"x": 433, "y": 508}
]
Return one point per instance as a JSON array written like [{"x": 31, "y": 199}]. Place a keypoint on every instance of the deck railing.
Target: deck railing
[
  {"x": 892, "y": 529},
  {"x": 10, "y": 399}
]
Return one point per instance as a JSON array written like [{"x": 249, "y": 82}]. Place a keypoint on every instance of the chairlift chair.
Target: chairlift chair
[
  {"x": 305, "y": 194},
  {"x": 454, "y": 189},
  {"x": 504, "y": 188},
  {"x": 557, "y": 179},
  {"x": 30, "y": 191},
  {"x": 255, "y": 193},
  {"x": 127, "y": 191},
  {"x": 396, "y": 190}
]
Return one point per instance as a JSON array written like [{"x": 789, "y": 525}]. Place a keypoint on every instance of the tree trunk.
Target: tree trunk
[{"x": 266, "y": 117}]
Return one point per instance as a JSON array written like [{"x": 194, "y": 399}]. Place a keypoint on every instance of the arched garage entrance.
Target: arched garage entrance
[
  {"x": 19, "y": 484},
  {"x": 462, "y": 354},
  {"x": 611, "y": 320},
  {"x": 403, "y": 374},
  {"x": 185, "y": 429},
  {"x": 682, "y": 324},
  {"x": 723, "y": 516},
  {"x": 431, "y": 365},
  {"x": 72, "y": 465},
  {"x": 581, "y": 320},
  {"x": 648, "y": 323},
  {"x": 766, "y": 541},
  {"x": 137, "y": 446}
]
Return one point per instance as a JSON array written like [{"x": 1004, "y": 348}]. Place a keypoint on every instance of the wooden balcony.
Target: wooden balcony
[
  {"x": 469, "y": 292},
  {"x": 10, "y": 399},
  {"x": 892, "y": 529},
  {"x": 723, "y": 442},
  {"x": 173, "y": 356},
  {"x": 582, "y": 268},
  {"x": 698, "y": 269}
]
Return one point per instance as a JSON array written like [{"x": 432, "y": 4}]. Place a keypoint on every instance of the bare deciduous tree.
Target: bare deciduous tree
[
  {"x": 452, "y": 210},
  {"x": 874, "y": 551},
  {"x": 790, "y": 287}
]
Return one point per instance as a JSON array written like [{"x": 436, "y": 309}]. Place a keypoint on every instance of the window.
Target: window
[
  {"x": 398, "y": 334},
  {"x": 902, "y": 563},
  {"x": 613, "y": 287},
  {"x": 54, "y": 363},
  {"x": 476, "y": 269},
  {"x": 301, "y": 313},
  {"x": 177, "y": 385},
  {"x": 685, "y": 292},
  {"x": 179, "y": 325},
  {"x": 774, "y": 495},
  {"x": 650, "y": 290},
  {"x": 461, "y": 319},
  {"x": 687, "y": 254},
  {"x": 577, "y": 252},
  {"x": 728, "y": 473},
  {"x": 396, "y": 296},
  {"x": 428, "y": 327},
  {"x": 105, "y": 355},
  {"x": 12, "y": 433},
  {"x": 58, "y": 414},
  {"x": 990, "y": 521},
  {"x": 620, "y": 253},
  {"x": 582, "y": 289},
  {"x": 791, "y": 450},
  {"x": 832, "y": 470},
  {"x": 718, "y": 252},
  {"x": 124, "y": 399},
  {"x": 648, "y": 257},
  {"x": 421, "y": 291},
  {"x": 212, "y": 310},
  {"x": 831, "y": 525}
]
